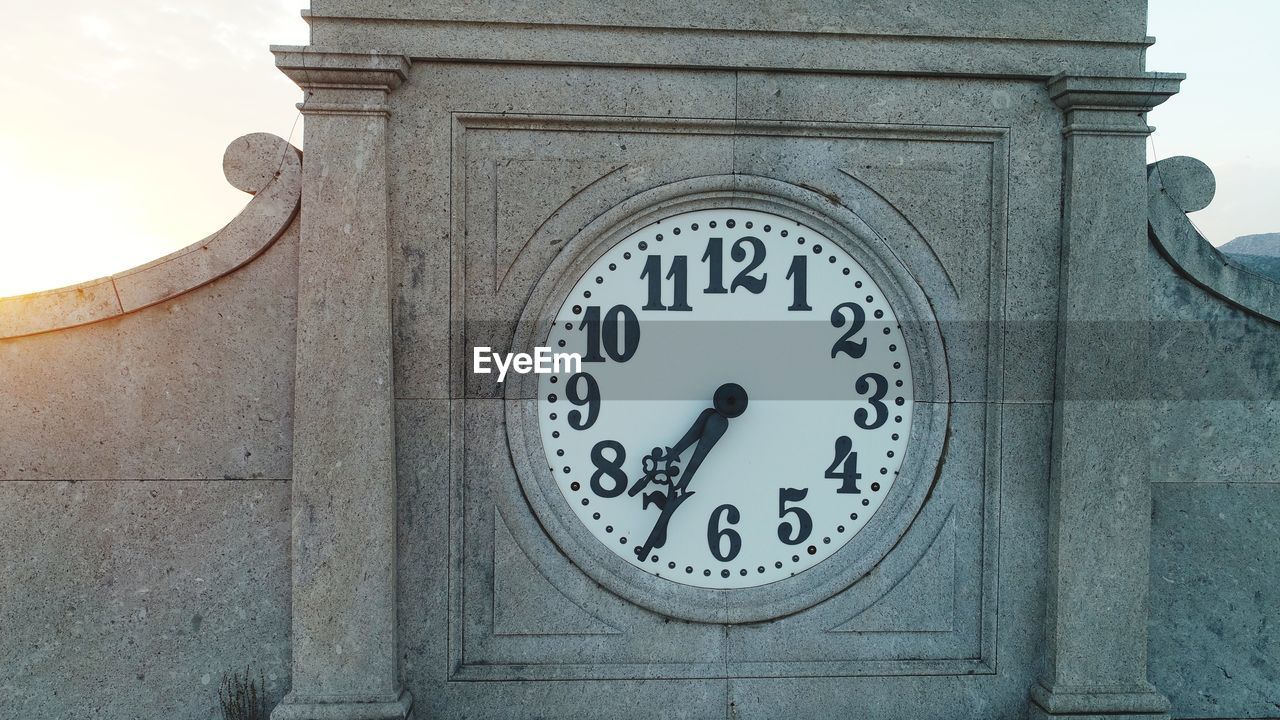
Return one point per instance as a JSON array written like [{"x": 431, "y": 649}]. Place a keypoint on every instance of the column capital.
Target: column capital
[
  {"x": 342, "y": 83},
  {"x": 1109, "y": 104}
]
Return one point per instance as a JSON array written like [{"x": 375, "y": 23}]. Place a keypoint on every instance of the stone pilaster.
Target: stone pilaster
[
  {"x": 344, "y": 528},
  {"x": 1100, "y": 496}
]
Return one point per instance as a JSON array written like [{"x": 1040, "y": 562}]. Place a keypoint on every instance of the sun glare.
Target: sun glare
[
  {"x": 48, "y": 214},
  {"x": 115, "y": 157}
]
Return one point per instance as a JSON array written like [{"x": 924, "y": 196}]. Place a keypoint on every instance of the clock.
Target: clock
[
  {"x": 742, "y": 403},
  {"x": 753, "y": 423}
]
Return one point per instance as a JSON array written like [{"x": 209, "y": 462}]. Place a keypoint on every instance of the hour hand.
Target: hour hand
[
  {"x": 712, "y": 430},
  {"x": 660, "y": 465}
]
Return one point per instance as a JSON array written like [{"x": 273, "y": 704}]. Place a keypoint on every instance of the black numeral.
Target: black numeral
[
  {"x": 714, "y": 256},
  {"x": 847, "y": 462},
  {"x": 845, "y": 344},
  {"x": 786, "y": 495},
  {"x": 863, "y": 386},
  {"x": 679, "y": 272},
  {"x": 715, "y": 534},
  {"x": 608, "y": 468},
  {"x": 800, "y": 291},
  {"x": 744, "y": 279},
  {"x": 618, "y": 315},
  {"x": 591, "y": 400}
]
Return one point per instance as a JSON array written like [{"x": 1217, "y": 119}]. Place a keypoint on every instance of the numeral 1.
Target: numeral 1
[
  {"x": 714, "y": 256},
  {"x": 800, "y": 291}
]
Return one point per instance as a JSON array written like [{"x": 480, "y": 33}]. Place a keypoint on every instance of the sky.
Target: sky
[{"x": 117, "y": 115}]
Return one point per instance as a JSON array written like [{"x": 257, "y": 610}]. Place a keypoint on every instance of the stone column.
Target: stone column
[
  {"x": 1100, "y": 494},
  {"x": 344, "y": 486}
]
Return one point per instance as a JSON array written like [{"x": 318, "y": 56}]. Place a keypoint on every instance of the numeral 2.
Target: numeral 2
[{"x": 845, "y": 344}]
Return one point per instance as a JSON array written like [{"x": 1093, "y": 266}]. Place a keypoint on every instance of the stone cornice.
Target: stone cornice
[
  {"x": 320, "y": 70},
  {"x": 1109, "y": 104},
  {"x": 1138, "y": 93}
]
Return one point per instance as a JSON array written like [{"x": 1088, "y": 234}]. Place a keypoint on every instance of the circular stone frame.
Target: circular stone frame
[{"x": 929, "y": 420}]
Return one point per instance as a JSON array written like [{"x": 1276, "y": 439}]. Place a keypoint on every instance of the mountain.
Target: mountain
[
  {"x": 1266, "y": 244},
  {"x": 1258, "y": 253}
]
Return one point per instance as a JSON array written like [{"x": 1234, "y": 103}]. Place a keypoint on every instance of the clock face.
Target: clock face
[{"x": 744, "y": 401}]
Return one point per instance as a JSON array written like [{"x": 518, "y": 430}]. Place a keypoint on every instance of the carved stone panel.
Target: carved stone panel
[{"x": 522, "y": 187}]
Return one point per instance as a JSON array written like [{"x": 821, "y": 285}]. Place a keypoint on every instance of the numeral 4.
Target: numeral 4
[{"x": 847, "y": 461}]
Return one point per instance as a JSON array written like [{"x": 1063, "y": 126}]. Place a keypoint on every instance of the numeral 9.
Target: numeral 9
[{"x": 591, "y": 400}]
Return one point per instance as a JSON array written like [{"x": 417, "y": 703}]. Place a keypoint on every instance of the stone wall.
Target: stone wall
[
  {"x": 145, "y": 473},
  {"x": 1215, "y": 466}
]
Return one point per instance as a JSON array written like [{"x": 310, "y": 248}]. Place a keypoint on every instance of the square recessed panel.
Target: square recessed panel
[{"x": 519, "y": 609}]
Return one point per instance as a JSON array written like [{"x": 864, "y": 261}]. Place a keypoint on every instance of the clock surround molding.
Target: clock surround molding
[{"x": 929, "y": 423}]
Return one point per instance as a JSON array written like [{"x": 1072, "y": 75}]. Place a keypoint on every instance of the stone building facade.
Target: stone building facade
[{"x": 268, "y": 448}]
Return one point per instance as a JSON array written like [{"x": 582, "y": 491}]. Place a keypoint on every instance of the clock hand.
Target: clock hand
[
  {"x": 730, "y": 401},
  {"x": 712, "y": 430},
  {"x": 672, "y": 454}
]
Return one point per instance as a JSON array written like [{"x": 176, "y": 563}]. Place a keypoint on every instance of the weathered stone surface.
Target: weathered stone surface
[
  {"x": 1179, "y": 185},
  {"x": 1217, "y": 387},
  {"x": 1097, "y": 20},
  {"x": 1214, "y": 599},
  {"x": 198, "y": 387},
  {"x": 876, "y": 36},
  {"x": 131, "y": 599},
  {"x": 430, "y": 140},
  {"x": 432, "y": 632},
  {"x": 1214, "y": 463},
  {"x": 1099, "y": 508}
]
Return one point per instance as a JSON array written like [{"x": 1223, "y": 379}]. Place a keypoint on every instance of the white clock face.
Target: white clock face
[{"x": 744, "y": 402}]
